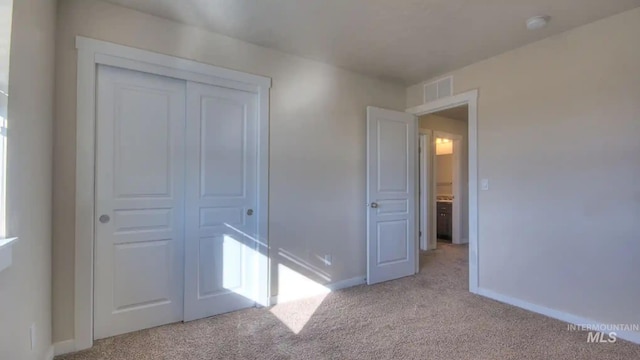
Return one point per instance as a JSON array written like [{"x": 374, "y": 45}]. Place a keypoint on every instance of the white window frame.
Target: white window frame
[
  {"x": 6, "y": 243},
  {"x": 3, "y": 165}
]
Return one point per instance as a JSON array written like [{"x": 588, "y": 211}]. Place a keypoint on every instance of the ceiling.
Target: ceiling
[
  {"x": 459, "y": 113},
  {"x": 404, "y": 41}
]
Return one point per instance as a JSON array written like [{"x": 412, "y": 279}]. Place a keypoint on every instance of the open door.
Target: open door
[{"x": 391, "y": 195}]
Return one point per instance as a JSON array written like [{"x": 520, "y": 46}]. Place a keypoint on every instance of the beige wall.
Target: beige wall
[
  {"x": 444, "y": 165},
  {"x": 440, "y": 123},
  {"x": 317, "y": 141},
  {"x": 25, "y": 287},
  {"x": 436, "y": 122},
  {"x": 559, "y": 123}
]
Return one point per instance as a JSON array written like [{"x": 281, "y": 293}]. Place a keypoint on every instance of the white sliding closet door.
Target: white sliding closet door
[
  {"x": 139, "y": 246},
  {"x": 176, "y": 201},
  {"x": 221, "y": 196}
]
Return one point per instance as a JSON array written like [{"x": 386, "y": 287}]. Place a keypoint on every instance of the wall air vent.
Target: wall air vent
[{"x": 438, "y": 89}]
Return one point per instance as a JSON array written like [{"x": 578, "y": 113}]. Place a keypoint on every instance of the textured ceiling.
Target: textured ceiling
[{"x": 404, "y": 41}]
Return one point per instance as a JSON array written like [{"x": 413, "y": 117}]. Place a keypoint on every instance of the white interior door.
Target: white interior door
[
  {"x": 391, "y": 195},
  {"x": 139, "y": 247},
  {"x": 221, "y": 260}
]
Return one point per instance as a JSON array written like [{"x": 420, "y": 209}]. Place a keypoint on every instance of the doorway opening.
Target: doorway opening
[
  {"x": 426, "y": 207},
  {"x": 444, "y": 178}
]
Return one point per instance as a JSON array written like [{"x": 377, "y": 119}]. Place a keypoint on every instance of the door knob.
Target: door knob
[
  {"x": 374, "y": 205},
  {"x": 104, "y": 218},
  {"x": 250, "y": 212}
]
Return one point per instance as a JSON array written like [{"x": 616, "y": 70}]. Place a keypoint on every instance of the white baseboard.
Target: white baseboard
[
  {"x": 338, "y": 285},
  {"x": 64, "y": 347},
  {"x": 49, "y": 355},
  {"x": 631, "y": 336},
  {"x": 461, "y": 242}
]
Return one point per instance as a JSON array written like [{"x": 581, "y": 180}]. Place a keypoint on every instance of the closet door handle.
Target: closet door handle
[{"x": 249, "y": 212}]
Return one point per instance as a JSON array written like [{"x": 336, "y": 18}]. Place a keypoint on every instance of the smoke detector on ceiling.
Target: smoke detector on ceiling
[{"x": 538, "y": 22}]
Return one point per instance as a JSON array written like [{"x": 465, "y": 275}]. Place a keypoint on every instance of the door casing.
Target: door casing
[
  {"x": 424, "y": 169},
  {"x": 469, "y": 98},
  {"x": 93, "y": 52}
]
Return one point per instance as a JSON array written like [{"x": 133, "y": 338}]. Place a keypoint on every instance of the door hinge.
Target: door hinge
[{"x": 420, "y": 233}]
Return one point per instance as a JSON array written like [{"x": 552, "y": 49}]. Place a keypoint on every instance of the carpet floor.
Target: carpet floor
[{"x": 427, "y": 316}]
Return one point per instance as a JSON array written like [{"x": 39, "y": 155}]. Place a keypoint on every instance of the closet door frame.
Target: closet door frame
[{"x": 92, "y": 53}]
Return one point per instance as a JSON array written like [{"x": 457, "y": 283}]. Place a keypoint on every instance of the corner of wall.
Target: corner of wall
[
  {"x": 64, "y": 347},
  {"x": 50, "y": 353}
]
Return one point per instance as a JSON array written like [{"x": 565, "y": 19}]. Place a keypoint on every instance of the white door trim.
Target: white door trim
[
  {"x": 456, "y": 186},
  {"x": 90, "y": 54},
  {"x": 471, "y": 99},
  {"x": 424, "y": 232}
]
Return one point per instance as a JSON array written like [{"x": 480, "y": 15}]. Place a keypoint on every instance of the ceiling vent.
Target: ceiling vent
[{"x": 438, "y": 89}]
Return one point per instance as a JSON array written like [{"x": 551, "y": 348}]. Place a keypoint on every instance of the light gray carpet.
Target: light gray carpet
[{"x": 428, "y": 316}]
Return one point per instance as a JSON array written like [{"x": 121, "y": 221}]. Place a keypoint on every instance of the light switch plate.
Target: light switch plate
[{"x": 484, "y": 184}]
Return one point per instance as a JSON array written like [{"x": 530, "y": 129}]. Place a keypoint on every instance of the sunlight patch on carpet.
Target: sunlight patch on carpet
[{"x": 298, "y": 298}]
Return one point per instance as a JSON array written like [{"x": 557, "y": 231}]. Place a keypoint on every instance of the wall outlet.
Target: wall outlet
[
  {"x": 32, "y": 335},
  {"x": 327, "y": 260}
]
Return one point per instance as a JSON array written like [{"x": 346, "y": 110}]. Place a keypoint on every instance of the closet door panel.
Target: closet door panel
[
  {"x": 139, "y": 246},
  {"x": 220, "y": 269}
]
